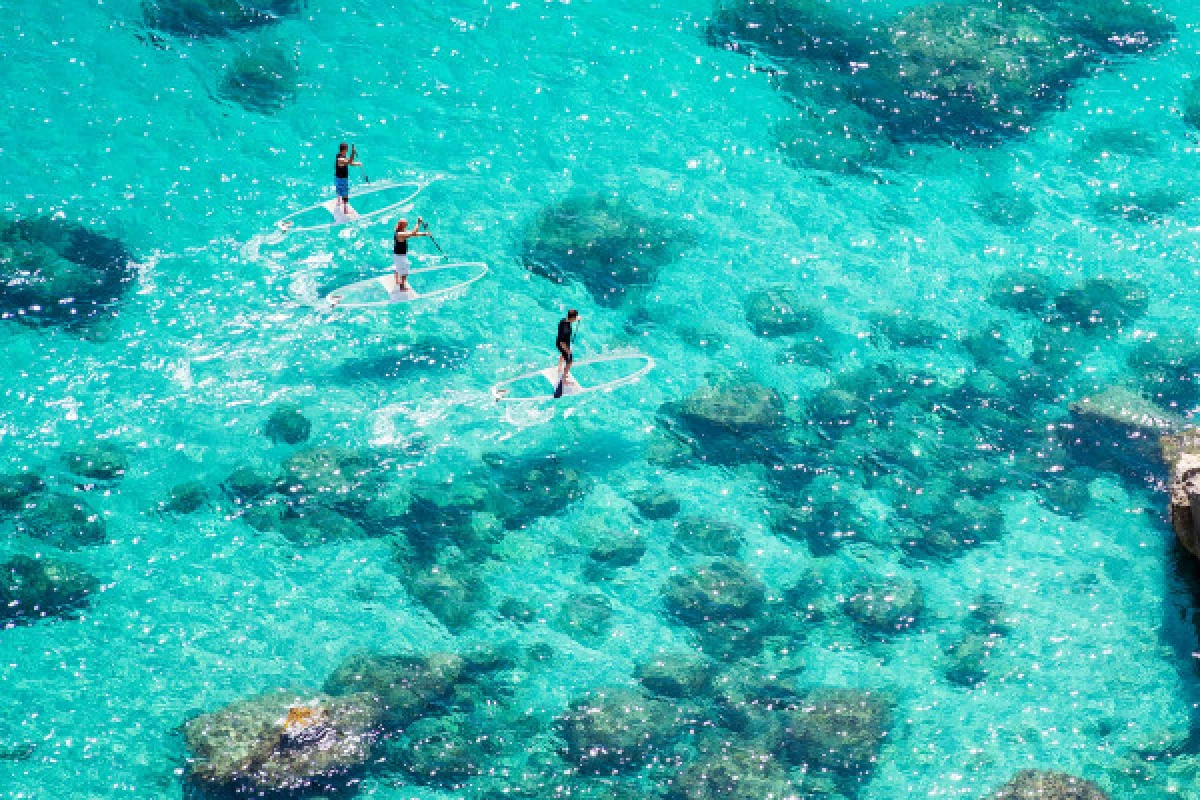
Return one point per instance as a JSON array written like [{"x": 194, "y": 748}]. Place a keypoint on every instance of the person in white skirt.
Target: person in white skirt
[{"x": 400, "y": 250}]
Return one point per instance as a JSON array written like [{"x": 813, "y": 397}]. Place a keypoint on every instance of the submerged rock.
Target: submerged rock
[
  {"x": 186, "y": 498},
  {"x": 708, "y": 536},
  {"x": 678, "y": 674},
  {"x": 966, "y": 73},
  {"x": 779, "y": 311},
  {"x": 1119, "y": 429},
  {"x": 214, "y": 17},
  {"x": 440, "y": 751},
  {"x": 840, "y": 730},
  {"x": 335, "y": 476},
  {"x": 1168, "y": 368},
  {"x": 1034, "y": 784},
  {"x": 17, "y": 488},
  {"x": 262, "y": 80},
  {"x": 102, "y": 461},
  {"x": 616, "y": 729},
  {"x": 247, "y": 484},
  {"x": 1103, "y": 306},
  {"x": 56, "y": 272},
  {"x": 904, "y": 329},
  {"x": 32, "y": 589},
  {"x": 585, "y": 616},
  {"x": 306, "y": 526},
  {"x": 887, "y": 606},
  {"x": 537, "y": 487},
  {"x": 733, "y": 422},
  {"x": 62, "y": 521},
  {"x": 453, "y": 596},
  {"x": 723, "y": 590},
  {"x": 968, "y": 658},
  {"x": 1181, "y": 453},
  {"x": 406, "y": 686},
  {"x": 617, "y": 549},
  {"x": 1112, "y": 26},
  {"x": 601, "y": 241},
  {"x": 282, "y": 741},
  {"x": 813, "y": 29},
  {"x": 737, "y": 773},
  {"x": 286, "y": 424},
  {"x": 655, "y": 504}
]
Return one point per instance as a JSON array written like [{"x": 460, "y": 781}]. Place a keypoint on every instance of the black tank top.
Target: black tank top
[
  {"x": 400, "y": 246},
  {"x": 341, "y": 170},
  {"x": 564, "y": 332}
]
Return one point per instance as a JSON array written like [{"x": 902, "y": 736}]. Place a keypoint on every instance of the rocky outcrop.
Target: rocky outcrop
[
  {"x": 1036, "y": 784},
  {"x": 1119, "y": 429},
  {"x": 34, "y": 588},
  {"x": 282, "y": 741},
  {"x": 1182, "y": 455},
  {"x": 616, "y": 729}
]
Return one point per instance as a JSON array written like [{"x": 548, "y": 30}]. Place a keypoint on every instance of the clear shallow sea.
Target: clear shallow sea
[{"x": 513, "y": 106}]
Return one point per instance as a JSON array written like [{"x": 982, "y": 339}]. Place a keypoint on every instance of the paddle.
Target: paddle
[
  {"x": 353, "y": 153},
  {"x": 435, "y": 243}
]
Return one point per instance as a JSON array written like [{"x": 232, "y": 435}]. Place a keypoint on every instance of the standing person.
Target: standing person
[
  {"x": 400, "y": 250},
  {"x": 341, "y": 174},
  {"x": 563, "y": 343}
]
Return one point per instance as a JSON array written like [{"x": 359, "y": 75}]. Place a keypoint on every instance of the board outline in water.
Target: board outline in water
[
  {"x": 551, "y": 374},
  {"x": 285, "y": 226},
  {"x": 413, "y": 296}
]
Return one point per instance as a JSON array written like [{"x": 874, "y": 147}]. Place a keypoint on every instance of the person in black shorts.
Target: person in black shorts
[
  {"x": 563, "y": 343},
  {"x": 341, "y": 175}
]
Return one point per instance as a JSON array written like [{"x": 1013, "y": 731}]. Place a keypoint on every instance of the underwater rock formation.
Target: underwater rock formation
[
  {"x": 678, "y": 674},
  {"x": 585, "y": 616},
  {"x": 723, "y": 590},
  {"x": 904, "y": 329},
  {"x": 286, "y": 424},
  {"x": 452, "y": 593},
  {"x": 440, "y": 751},
  {"x": 539, "y": 486},
  {"x": 890, "y": 605},
  {"x": 34, "y": 588},
  {"x": 736, "y": 773},
  {"x": 1120, "y": 430},
  {"x": 1103, "y": 306},
  {"x": 262, "y": 80},
  {"x": 840, "y": 730},
  {"x": 655, "y": 503},
  {"x": 186, "y": 498},
  {"x": 406, "y": 687},
  {"x": 617, "y": 549},
  {"x": 1033, "y": 784},
  {"x": 62, "y": 521},
  {"x": 335, "y": 476},
  {"x": 17, "y": 488},
  {"x": 731, "y": 422},
  {"x": 812, "y": 29},
  {"x": 616, "y": 729},
  {"x": 1111, "y": 26},
  {"x": 1023, "y": 290},
  {"x": 1168, "y": 370},
  {"x": 708, "y": 536},
  {"x": 307, "y": 526},
  {"x": 56, "y": 272},
  {"x": 779, "y": 311},
  {"x": 101, "y": 461},
  {"x": 282, "y": 741},
  {"x": 214, "y": 17},
  {"x": 966, "y": 73},
  {"x": 603, "y": 242},
  {"x": 826, "y": 519},
  {"x": 247, "y": 484}
]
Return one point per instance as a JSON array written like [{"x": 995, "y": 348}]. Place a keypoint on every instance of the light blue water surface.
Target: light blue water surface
[{"x": 511, "y": 106}]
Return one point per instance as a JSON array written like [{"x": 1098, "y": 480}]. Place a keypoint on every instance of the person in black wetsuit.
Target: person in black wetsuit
[
  {"x": 563, "y": 343},
  {"x": 400, "y": 250},
  {"x": 341, "y": 174}
]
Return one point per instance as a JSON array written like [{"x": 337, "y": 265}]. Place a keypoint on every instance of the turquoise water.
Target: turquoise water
[{"x": 508, "y": 109}]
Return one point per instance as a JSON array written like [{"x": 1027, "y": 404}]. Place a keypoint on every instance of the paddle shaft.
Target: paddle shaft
[
  {"x": 353, "y": 153},
  {"x": 435, "y": 243}
]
